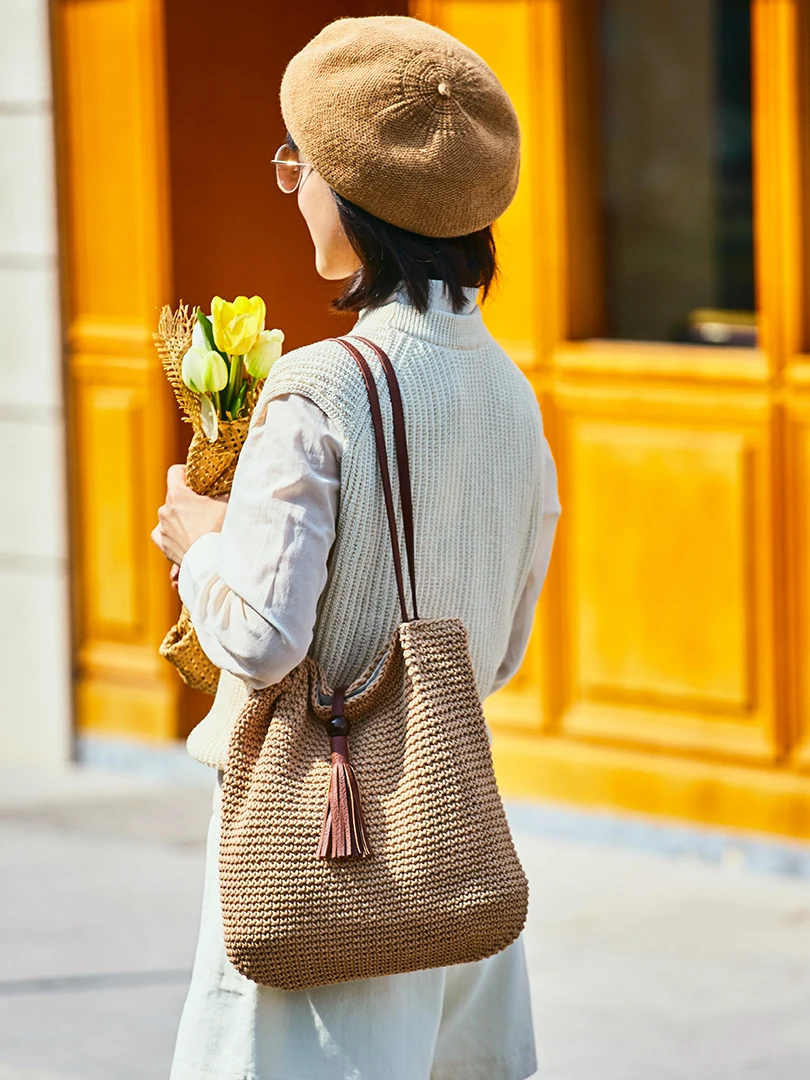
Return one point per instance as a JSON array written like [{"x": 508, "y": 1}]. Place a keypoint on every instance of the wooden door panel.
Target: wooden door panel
[
  {"x": 123, "y": 602},
  {"x": 111, "y": 427},
  {"x": 790, "y": 226},
  {"x": 112, "y": 178},
  {"x": 517, "y": 37},
  {"x": 666, "y": 556},
  {"x": 660, "y": 617},
  {"x": 521, "y": 703},
  {"x": 798, "y": 517},
  {"x": 503, "y": 33},
  {"x": 115, "y": 202}
]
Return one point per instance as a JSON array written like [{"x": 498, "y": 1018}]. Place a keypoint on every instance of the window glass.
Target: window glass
[{"x": 677, "y": 170}]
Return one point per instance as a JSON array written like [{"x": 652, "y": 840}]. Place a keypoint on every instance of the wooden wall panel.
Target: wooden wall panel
[
  {"x": 232, "y": 230},
  {"x": 520, "y": 40},
  {"x": 101, "y": 37},
  {"x": 779, "y": 201},
  {"x": 115, "y": 202},
  {"x": 673, "y": 629},
  {"x": 504, "y": 33},
  {"x": 111, "y": 423},
  {"x": 667, "y": 553},
  {"x": 155, "y": 207},
  {"x": 794, "y": 23},
  {"x": 520, "y": 704},
  {"x": 798, "y": 510},
  {"x": 689, "y": 458},
  {"x": 660, "y": 619},
  {"x": 799, "y": 110},
  {"x": 646, "y": 782}
]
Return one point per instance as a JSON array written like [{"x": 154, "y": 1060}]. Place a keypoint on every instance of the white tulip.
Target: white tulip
[
  {"x": 198, "y": 337},
  {"x": 192, "y": 369},
  {"x": 204, "y": 370},
  {"x": 264, "y": 353}
]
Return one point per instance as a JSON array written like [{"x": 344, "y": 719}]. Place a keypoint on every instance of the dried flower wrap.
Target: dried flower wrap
[{"x": 210, "y": 469}]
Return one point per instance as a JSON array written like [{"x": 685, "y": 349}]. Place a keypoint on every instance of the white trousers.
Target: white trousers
[{"x": 466, "y": 1022}]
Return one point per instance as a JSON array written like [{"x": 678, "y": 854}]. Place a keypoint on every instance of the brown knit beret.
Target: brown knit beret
[{"x": 406, "y": 122}]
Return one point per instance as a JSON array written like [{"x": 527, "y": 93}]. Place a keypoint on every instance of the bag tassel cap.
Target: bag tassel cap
[{"x": 343, "y": 835}]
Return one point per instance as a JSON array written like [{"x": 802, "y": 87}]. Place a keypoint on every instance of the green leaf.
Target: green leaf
[
  {"x": 240, "y": 399},
  {"x": 234, "y": 382},
  {"x": 208, "y": 333}
]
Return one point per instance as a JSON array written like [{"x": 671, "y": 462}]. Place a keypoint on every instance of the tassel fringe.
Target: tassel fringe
[{"x": 343, "y": 835}]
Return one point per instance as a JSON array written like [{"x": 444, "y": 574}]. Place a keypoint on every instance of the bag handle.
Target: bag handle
[
  {"x": 343, "y": 833},
  {"x": 403, "y": 461},
  {"x": 403, "y": 464}
]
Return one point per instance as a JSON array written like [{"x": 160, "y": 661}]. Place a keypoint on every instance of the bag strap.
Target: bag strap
[
  {"x": 403, "y": 461},
  {"x": 403, "y": 465}
]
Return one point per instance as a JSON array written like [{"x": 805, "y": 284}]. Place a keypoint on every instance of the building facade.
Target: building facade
[
  {"x": 36, "y": 718},
  {"x": 655, "y": 289}
]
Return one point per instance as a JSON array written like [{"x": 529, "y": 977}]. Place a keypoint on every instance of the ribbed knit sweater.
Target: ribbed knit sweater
[{"x": 479, "y": 462}]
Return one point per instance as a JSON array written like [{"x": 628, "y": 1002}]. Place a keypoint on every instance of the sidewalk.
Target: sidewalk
[{"x": 644, "y": 966}]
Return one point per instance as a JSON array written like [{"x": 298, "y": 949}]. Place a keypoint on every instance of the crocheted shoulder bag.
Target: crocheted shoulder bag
[{"x": 396, "y": 857}]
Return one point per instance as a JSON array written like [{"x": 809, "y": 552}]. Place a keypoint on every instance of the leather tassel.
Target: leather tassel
[{"x": 343, "y": 835}]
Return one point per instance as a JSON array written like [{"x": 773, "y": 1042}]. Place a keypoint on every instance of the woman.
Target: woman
[{"x": 403, "y": 148}]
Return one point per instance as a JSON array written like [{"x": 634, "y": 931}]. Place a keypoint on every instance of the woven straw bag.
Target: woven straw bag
[
  {"x": 210, "y": 468},
  {"x": 398, "y": 860}
]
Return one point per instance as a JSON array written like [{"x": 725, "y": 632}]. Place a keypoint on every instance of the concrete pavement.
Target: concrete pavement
[{"x": 644, "y": 966}]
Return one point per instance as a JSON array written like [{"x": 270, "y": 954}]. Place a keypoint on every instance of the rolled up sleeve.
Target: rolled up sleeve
[{"x": 252, "y": 589}]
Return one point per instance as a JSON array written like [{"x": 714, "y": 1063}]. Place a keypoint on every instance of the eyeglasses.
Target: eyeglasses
[{"x": 289, "y": 169}]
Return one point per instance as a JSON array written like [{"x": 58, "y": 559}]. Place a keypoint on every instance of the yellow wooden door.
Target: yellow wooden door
[
  {"x": 154, "y": 209},
  {"x": 115, "y": 275},
  {"x": 665, "y": 673}
]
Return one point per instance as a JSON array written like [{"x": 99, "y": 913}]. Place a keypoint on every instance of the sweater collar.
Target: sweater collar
[{"x": 439, "y": 324}]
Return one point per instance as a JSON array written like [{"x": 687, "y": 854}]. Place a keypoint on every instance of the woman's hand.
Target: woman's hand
[{"x": 185, "y": 516}]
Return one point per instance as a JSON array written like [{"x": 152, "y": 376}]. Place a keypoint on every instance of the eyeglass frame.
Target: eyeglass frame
[{"x": 297, "y": 164}]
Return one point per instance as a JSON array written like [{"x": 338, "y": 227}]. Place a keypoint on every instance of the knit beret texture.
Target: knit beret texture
[{"x": 406, "y": 122}]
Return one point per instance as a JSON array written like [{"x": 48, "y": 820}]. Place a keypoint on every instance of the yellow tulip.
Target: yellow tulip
[
  {"x": 204, "y": 370},
  {"x": 264, "y": 353},
  {"x": 237, "y": 325}
]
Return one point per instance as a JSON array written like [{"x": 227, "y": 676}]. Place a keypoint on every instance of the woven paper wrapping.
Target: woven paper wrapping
[
  {"x": 443, "y": 884},
  {"x": 210, "y": 468}
]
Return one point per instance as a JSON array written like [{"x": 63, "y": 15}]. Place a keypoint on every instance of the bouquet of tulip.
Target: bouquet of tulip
[{"x": 216, "y": 366}]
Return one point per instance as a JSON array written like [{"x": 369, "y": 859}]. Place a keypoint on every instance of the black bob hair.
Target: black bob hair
[{"x": 391, "y": 257}]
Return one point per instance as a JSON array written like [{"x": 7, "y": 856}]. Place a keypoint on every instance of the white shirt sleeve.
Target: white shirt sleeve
[
  {"x": 524, "y": 615},
  {"x": 252, "y": 589}
]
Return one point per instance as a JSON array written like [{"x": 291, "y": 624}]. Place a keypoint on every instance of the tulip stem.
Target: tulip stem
[
  {"x": 233, "y": 381},
  {"x": 240, "y": 399}
]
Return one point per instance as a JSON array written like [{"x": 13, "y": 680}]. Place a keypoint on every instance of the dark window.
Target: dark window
[{"x": 677, "y": 170}]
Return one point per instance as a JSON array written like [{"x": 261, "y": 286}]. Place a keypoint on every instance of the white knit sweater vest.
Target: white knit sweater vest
[{"x": 475, "y": 445}]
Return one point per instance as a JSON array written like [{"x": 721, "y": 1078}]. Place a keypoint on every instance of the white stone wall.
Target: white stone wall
[{"x": 35, "y": 682}]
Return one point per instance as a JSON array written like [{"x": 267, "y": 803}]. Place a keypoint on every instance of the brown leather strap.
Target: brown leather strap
[
  {"x": 403, "y": 462},
  {"x": 385, "y": 472},
  {"x": 337, "y": 701}
]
